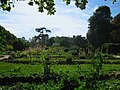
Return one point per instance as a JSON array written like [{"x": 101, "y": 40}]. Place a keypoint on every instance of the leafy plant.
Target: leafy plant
[
  {"x": 93, "y": 75},
  {"x": 17, "y": 69}
]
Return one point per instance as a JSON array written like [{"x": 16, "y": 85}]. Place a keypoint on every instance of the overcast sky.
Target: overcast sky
[{"x": 67, "y": 21}]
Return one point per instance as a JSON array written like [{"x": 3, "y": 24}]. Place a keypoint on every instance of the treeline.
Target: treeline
[
  {"x": 9, "y": 42},
  {"x": 78, "y": 41},
  {"x": 103, "y": 31}
]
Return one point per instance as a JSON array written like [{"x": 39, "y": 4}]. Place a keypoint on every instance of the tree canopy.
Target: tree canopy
[
  {"x": 115, "y": 34},
  {"x": 48, "y": 5},
  {"x": 6, "y": 39},
  {"x": 42, "y": 37},
  {"x": 99, "y": 27},
  {"x": 80, "y": 41},
  {"x": 10, "y": 42}
]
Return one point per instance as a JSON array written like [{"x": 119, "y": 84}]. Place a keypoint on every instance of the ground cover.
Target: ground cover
[
  {"x": 110, "y": 84},
  {"x": 28, "y": 69}
]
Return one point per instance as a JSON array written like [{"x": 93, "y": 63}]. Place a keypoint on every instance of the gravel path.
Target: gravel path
[{"x": 5, "y": 57}]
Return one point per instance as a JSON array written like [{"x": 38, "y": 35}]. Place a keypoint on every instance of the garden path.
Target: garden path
[{"x": 4, "y": 57}]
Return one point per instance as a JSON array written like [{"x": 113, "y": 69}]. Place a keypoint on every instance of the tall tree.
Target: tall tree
[
  {"x": 42, "y": 37},
  {"x": 99, "y": 27},
  {"x": 116, "y": 21},
  {"x": 115, "y": 34}
]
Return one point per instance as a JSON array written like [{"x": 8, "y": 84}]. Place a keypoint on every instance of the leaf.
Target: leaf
[
  {"x": 114, "y": 1},
  {"x": 42, "y": 28},
  {"x": 36, "y": 2},
  {"x": 8, "y": 8},
  {"x": 3, "y": 6},
  {"x": 30, "y": 3},
  {"x": 48, "y": 31}
]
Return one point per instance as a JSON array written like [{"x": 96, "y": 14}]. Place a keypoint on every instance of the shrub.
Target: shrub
[
  {"x": 108, "y": 56},
  {"x": 17, "y": 68},
  {"x": 82, "y": 57},
  {"x": 68, "y": 60},
  {"x": 46, "y": 58},
  {"x": 66, "y": 50}
]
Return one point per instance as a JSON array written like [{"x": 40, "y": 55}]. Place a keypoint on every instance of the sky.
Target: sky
[{"x": 67, "y": 21}]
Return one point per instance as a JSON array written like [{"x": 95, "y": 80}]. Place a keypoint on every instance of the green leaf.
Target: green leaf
[
  {"x": 114, "y": 1},
  {"x": 30, "y": 3},
  {"x": 8, "y": 8}
]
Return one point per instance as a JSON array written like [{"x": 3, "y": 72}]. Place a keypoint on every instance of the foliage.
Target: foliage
[
  {"x": 62, "y": 81},
  {"x": 29, "y": 53},
  {"x": 9, "y": 42},
  {"x": 67, "y": 42},
  {"x": 42, "y": 37},
  {"x": 43, "y": 5},
  {"x": 6, "y": 39},
  {"x": 50, "y": 41},
  {"x": 69, "y": 59},
  {"x": 108, "y": 56},
  {"x": 92, "y": 76},
  {"x": 116, "y": 20},
  {"x": 112, "y": 84},
  {"x": 20, "y": 44},
  {"x": 99, "y": 23},
  {"x": 115, "y": 34},
  {"x": 80, "y": 41}
]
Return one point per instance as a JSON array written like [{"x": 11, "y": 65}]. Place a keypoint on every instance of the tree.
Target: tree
[
  {"x": 99, "y": 27},
  {"x": 48, "y": 5},
  {"x": 6, "y": 39},
  {"x": 42, "y": 37},
  {"x": 20, "y": 44},
  {"x": 116, "y": 21},
  {"x": 64, "y": 41},
  {"x": 80, "y": 41},
  {"x": 33, "y": 42},
  {"x": 115, "y": 34},
  {"x": 50, "y": 41}
]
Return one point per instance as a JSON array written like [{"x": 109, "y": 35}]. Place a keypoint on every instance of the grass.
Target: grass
[
  {"x": 7, "y": 69},
  {"x": 12, "y": 69},
  {"x": 28, "y": 59},
  {"x": 111, "y": 67}
]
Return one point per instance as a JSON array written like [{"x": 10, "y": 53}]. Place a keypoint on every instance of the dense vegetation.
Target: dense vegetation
[
  {"x": 6, "y": 39},
  {"x": 9, "y": 42},
  {"x": 64, "y": 63}
]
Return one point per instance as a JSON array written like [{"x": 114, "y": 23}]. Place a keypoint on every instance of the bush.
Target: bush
[
  {"x": 108, "y": 56},
  {"x": 69, "y": 60},
  {"x": 12, "y": 55},
  {"x": 82, "y": 57},
  {"x": 66, "y": 50},
  {"x": 46, "y": 58},
  {"x": 17, "y": 68}
]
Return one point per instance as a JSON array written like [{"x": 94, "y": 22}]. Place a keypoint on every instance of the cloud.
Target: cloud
[
  {"x": 96, "y": 7},
  {"x": 23, "y": 20}
]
